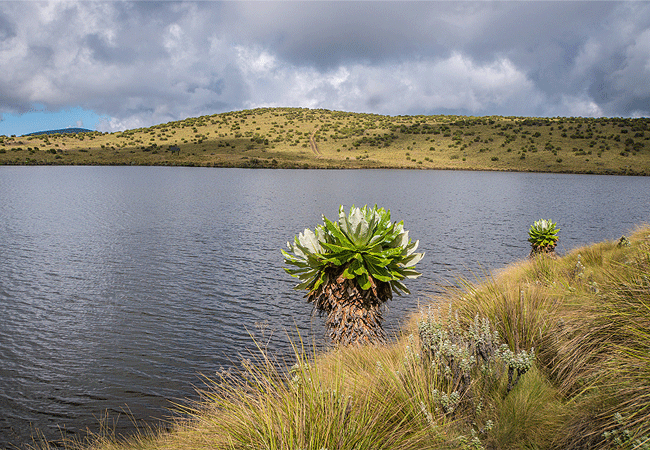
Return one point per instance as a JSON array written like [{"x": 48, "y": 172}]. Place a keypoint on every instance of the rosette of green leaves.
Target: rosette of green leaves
[
  {"x": 364, "y": 244},
  {"x": 543, "y": 234}
]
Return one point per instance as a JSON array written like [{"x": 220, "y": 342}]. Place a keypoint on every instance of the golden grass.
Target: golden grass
[
  {"x": 588, "y": 315},
  {"x": 283, "y": 137}
]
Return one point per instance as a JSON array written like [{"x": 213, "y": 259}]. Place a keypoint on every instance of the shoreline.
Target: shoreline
[{"x": 623, "y": 172}]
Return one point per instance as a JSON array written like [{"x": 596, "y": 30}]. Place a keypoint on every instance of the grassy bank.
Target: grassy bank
[
  {"x": 546, "y": 354},
  {"x": 304, "y": 138}
]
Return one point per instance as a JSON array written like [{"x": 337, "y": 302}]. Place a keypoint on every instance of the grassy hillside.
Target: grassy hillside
[
  {"x": 547, "y": 354},
  {"x": 304, "y": 138}
]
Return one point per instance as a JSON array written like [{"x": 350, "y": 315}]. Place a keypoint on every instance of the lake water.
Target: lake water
[{"x": 119, "y": 286}]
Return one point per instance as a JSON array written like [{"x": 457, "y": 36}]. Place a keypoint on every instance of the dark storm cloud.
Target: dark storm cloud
[
  {"x": 146, "y": 62},
  {"x": 329, "y": 33},
  {"x": 542, "y": 38},
  {"x": 7, "y": 30},
  {"x": 44, "y": 54},
  {"x": 326, "y": 34}
]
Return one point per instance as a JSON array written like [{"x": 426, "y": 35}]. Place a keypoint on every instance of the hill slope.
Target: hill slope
[
  {"x": 61, "y": 131},
  {"x": 304, "y": 138}
]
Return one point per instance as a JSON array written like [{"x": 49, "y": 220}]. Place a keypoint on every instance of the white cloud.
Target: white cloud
[
  {"x": 255, "y": 62},
  {"x": 456, "y": 82},
  {"x": 576, "y": 106}
]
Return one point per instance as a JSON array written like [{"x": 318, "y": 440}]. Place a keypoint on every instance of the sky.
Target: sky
[{"x": 116, "y": 65}]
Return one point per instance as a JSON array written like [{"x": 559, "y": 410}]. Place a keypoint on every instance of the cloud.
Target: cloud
[
  {"x": 326, "y": 34},
  {"x": 426, "y": 85},
  {"x": 140, "y": 63},
  {"x": 7, "y": 29}
]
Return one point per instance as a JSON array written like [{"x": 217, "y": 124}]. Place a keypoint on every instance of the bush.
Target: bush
[{"x": 476, "y": 353}]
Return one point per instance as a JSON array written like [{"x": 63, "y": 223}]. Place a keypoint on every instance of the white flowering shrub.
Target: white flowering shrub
[{"x": 465, "y": 355}]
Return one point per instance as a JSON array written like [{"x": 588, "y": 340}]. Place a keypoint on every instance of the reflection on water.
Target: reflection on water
[{"x": 120, "y": 285}]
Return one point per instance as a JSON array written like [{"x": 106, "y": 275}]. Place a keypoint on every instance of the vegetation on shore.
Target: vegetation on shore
[
  {"x": 305, "y": 138},
  {"x": 549, "y": 353}
]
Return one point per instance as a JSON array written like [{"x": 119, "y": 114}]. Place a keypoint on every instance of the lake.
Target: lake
[{"x": 119, "y": 286}]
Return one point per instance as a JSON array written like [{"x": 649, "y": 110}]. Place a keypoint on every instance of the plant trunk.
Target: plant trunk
[
  {"x": 353, "y": 315},
  {"x": 539, "y": 250}
]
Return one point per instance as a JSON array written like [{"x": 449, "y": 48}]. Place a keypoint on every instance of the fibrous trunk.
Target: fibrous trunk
[
  {"x": 542, "y": 250},
  {"x": 353, "y": 314}
]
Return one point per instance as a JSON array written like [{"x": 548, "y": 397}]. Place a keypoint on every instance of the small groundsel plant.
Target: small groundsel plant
[
  {"x": 351, "y": 267},
  {"x": 623, "y": 242},
  {"x": 472, "y": 361},
  {"x": 543, "y": 237}
]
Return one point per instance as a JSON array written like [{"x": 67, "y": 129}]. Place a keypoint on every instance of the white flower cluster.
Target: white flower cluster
[
  {"x": 518, "y": 363},
  {"x": 448, "y": 402},
  {"x": 298, "y": 374}
]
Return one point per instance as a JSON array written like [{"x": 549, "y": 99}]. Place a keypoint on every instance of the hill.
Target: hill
[
  {"x": 61, "y": 131},
  {"x": 306, "y": 138}
]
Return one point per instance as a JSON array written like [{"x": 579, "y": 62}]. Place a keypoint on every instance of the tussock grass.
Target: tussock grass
[
  {"x": 587, "y": 316},
  {"x": 530, "y": 417},
  {"x": 105, "y": 437},
  {"x": 340, "y": 400}
]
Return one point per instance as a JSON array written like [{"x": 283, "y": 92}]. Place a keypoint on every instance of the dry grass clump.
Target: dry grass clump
[{"x": 324, "y": 405}]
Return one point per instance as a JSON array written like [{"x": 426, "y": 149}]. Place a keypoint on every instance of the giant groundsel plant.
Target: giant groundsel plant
[
  {"x": 543, "y": 237},
  {"x": 352, "y": 266}
]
